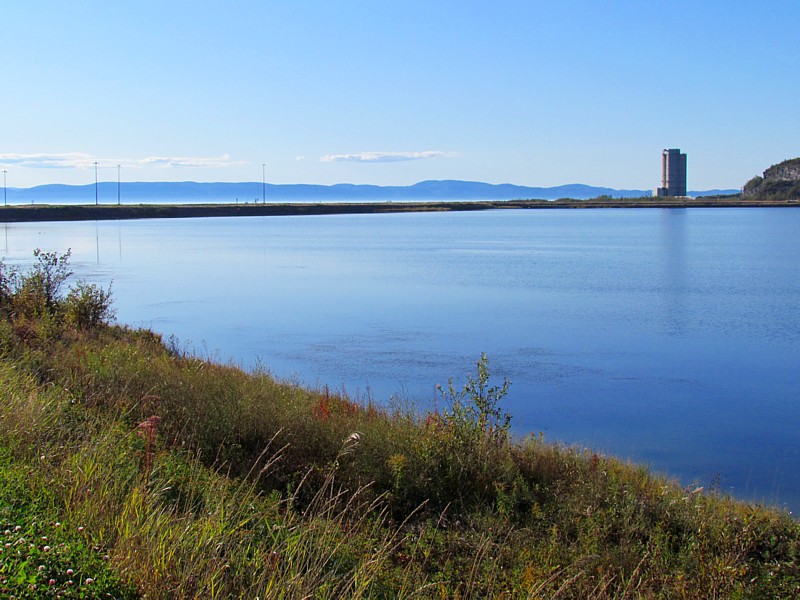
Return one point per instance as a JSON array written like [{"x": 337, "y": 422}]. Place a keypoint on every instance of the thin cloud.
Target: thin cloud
[
  {"x": 383, "y": 157},
  {"x": 172, "y": 161},
  {"x": 78, "y": 160},
  {"x": 48, "y": 161}
]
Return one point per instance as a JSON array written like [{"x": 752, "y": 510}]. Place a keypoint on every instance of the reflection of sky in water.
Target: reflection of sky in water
[{"x": 667, "y": 336}]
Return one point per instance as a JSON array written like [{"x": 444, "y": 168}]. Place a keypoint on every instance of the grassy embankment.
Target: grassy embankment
[{"x": 132, "y": 469}]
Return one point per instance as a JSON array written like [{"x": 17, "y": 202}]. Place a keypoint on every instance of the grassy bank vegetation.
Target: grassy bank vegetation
[{"x": 130, "y": 469}]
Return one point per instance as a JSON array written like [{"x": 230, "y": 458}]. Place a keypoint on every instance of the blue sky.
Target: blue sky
[{"x": 392, "y": 93}]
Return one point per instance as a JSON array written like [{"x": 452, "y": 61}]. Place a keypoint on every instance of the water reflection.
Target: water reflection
[{"x": 673, "y": 256}]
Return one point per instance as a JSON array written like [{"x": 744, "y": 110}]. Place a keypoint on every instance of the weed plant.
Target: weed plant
[{"x": 131, "y": 469}]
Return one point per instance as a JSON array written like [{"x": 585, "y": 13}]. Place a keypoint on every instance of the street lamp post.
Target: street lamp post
[
  {"x": 95, "y": 184},
  {"x": 5, "y": 196},
  {"x": 118, "y": 186},
  {"x": 263, "y": 183}
]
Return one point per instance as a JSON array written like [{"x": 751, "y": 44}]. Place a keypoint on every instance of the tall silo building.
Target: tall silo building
[{"x": 673, "y": 173}]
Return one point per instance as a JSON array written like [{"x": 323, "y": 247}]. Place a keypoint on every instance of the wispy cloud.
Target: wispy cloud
[
  {"x": 48, "y": 161},
  {"x": 78, "y": 160},
  {"x": 173, "y": 161},
  {"x": 382, "y": 157}
]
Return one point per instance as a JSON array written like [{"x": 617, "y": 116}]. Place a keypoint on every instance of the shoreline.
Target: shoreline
[{"x": 83, "y": 212}]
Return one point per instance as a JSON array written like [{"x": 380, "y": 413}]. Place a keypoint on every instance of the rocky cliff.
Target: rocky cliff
[{"x": 780, "y": 182}]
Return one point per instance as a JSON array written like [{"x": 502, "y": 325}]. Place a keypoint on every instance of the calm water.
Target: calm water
[{"x": 670, "y": 337}]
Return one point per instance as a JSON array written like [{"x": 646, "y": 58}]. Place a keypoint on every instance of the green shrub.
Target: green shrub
[
  {"x": 466, "y": 442},
  {"x": 35, "y": 302},
  {"x": 38, "y": 292},
  {"x": 87, "y": 306},
  {"x": 473, "y": 413}
]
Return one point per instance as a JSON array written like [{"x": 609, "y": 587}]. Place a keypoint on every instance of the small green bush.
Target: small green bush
[
  {"x": 87, "y": 306},
  {"x": 466, "y": 442},
  {"x": 473, "y": 413},
  {"x": 38, "y": 292},
  {"x": 35, "y": 301}
]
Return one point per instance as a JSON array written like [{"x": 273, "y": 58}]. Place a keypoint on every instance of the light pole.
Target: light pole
[
  {"x": 118, "y": 186},
  {"x": 95, "y": 183},
  {"x": 5, "y": 196},
  {"x": 263, "y": 183}
]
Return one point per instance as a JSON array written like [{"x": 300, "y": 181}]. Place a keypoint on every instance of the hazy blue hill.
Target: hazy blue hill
[{"x": 190, "y": 191}]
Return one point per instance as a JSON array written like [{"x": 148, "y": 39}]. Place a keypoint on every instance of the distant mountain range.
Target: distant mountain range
[{"x": 186, "y": 192}]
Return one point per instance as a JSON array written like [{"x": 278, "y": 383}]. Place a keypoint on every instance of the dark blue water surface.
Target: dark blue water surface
[{"x": 668, "y": 337}]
